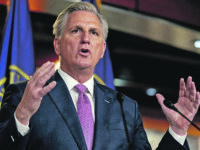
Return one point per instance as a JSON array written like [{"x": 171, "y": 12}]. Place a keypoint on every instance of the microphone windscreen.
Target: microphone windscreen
[{"x": 168, "y": 104}]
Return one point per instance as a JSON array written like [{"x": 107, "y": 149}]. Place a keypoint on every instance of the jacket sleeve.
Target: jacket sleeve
[
  {"x": 10, "y": 138},
  {"x": 168, "y": 142}
]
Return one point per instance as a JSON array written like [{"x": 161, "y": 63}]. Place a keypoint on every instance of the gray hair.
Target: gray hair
[{"x": 59, "y": 25}]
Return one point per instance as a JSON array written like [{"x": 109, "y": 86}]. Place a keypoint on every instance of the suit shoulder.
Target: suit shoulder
[
  {"x": 106, "y": 88},
  {"x": 116, "y": 93},
  {"x": 15, "y": 88},
  {"x": 21, "y": 84}
]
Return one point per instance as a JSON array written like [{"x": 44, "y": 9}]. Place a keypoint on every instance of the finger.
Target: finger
[
  {"x": 35, "y": 76},
  {"x": 47, "y": 88},
  {"x": 197, "y": 100},
  {"x": 188, "y": 87},
  {"x": 44, "y": 69},
  {"x": 49, "y": 71},
  {"x": 160, "y": 99},
  {"x": 192, "y": 92},
  {"x": 182, "y": 88},
  {"x": 43, "y": 74},
  {"x": 41, "y": 69}
]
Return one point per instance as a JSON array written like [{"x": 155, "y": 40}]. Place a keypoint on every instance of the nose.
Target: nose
[{"x": 85, "y": 38}]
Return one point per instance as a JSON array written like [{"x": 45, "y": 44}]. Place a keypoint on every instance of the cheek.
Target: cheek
[
  {"x": 101, "y": 50},
  {"x": 67, "y": 46}
]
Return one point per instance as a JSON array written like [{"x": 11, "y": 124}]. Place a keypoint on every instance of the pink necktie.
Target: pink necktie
[{"x": 85, "y": 115}]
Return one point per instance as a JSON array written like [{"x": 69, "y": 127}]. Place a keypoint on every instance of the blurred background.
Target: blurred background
[{"x": 152, "y": 45}]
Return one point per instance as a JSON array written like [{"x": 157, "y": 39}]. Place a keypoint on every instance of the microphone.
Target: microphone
[
  {"x": 170, "y": 105},
  {"x": 120, "y": 98}
]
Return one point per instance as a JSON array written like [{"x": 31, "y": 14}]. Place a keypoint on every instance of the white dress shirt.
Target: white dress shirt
[{"x": 71, "y": 82}]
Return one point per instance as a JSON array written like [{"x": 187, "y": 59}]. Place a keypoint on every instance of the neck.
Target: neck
[{"x": 81, "y": 75}]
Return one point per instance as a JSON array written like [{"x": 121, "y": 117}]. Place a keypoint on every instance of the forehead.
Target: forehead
[{"x": 83, "y": 17}]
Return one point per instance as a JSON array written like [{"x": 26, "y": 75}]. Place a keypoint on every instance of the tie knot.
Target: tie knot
[{"x": 80, "y": 88}]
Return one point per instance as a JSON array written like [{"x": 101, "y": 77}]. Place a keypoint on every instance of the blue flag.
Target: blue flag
[
  {"x": 103, "y": 72},
  {"x": 17, "y": 53}
]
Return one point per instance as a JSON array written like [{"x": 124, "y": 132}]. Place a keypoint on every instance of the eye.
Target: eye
[
  {"x": 75, "y": 31},
  {"x": 94, "y": 33}
]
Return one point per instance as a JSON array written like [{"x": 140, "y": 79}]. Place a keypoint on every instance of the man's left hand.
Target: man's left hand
[{"x": 188, "y": 104}]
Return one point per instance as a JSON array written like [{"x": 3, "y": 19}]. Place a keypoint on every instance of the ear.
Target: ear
[
  {"x": 56, "y": 44},
  {"x": 104, "y": 48}
]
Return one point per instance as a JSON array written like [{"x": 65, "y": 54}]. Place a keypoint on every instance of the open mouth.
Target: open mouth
[{"x": 84, "y": 50}]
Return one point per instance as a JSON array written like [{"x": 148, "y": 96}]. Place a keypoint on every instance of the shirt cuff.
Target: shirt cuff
[
  {"x": 22, "y": 129},
  {"x": 178, "y": 138}
]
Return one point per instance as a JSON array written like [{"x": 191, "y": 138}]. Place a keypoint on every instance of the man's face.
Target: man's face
[{"x": 82, "y": 44}]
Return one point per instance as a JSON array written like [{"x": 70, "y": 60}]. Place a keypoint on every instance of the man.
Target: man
[{"x": 45, "y": 113}]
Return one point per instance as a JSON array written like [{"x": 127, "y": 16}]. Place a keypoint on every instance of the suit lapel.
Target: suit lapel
[
  {"x": 103, "y": 104},
  {"x": 63, "y": 102}
]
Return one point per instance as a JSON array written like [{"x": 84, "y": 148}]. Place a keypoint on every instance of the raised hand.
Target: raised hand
[
  {"x": 188, "y": 104},
  {"x": 34, "y": 92}
]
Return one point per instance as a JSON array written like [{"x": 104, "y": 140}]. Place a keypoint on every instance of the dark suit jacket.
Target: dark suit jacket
[{"x": 55, "y": 126}]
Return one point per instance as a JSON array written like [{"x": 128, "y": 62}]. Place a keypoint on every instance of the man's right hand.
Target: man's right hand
[{"x": 34, "y": 92}]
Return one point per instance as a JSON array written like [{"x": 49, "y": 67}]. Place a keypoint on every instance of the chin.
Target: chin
[{"x": 84, "y": 66}]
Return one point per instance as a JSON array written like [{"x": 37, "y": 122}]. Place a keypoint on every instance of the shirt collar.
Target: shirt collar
[{"x": 71, "y": 82}]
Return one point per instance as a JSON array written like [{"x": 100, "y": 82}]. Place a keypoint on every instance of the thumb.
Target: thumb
[{"x": 160, "y": 99}]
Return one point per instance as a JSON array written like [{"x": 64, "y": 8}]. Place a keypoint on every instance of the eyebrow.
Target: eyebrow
[
  {"x": 94, "y": 29},
  {"x": 90, "y": 28}
]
